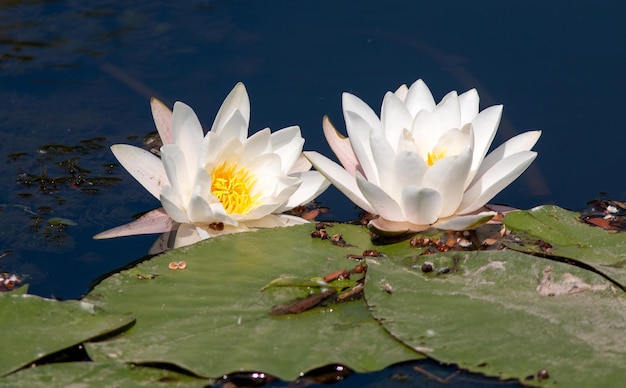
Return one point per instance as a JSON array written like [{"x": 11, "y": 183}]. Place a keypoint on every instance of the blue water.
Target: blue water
[{"x": 71, "y": 71}]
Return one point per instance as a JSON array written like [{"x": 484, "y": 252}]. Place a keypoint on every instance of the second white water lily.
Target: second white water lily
[
  {"x": 221, "y": 182},
  {"x": 422, "y": 164}
]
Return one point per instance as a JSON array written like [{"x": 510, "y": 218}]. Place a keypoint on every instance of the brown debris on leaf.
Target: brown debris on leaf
[{"x": 606, "y": 214}]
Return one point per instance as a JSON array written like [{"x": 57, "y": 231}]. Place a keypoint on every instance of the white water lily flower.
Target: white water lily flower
[
  {"x": 221, "y": 182},
  {"x": 422, "y": 164}
]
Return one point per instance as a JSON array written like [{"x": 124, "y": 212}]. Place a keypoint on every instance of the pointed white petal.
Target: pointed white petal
[
  {"x": 469, "y": 102},
  {"x": 419, "y": 98},
  {"x": 341, "y": 147},
  {"x": 402, "y": 92},
  {"x": 464, "y": 222},
  {"x": 383, "y": 227},
  {"x": 173, "y": 205},
  {"x": 144, "y": 166},
  {"x": 421, "y": 205},
  {"x": 236, "y": 127},
  {"x": 287, "y": 143},
  {"x": 408, "y": 169},
  {"x": 484, "y": 126},
  {"x": 448, "y": 113},
  {"x": 352, "y": 103},
  {"x": 394, "y": 117},
  {"x": 313, "y": 184},
  {"x": 162, "y": 116},
  {"x": 499, "y": 176},
  {"x": 302, "y": 164},
  {"x": 237, "y": 100},
  {"x": 340, "y": 178},
  {"x": 155, "y": 221},
  {"x": 176, "y": 168},
  {"x": 519, "y": 143},
  {"x": 186, "y": 235},
  {"x": 359, "y": 134},
  {"x": 384, "y": 157},
  {"x": 257, "y": 144},
  {"x": 447, "y": 176},
  {"x": 383, "y": 204}
]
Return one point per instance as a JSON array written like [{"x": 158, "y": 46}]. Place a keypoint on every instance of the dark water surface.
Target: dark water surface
[{"x": 77, "y": 76}]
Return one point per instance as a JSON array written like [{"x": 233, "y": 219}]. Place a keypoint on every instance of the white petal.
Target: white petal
[
  {"x": 383, "y": 204},
  {"x": 144, "y": 166},
  {"x": 352, "y": 103},
  {"x": 419, "y": 98},
  {"x": 186, "y": 235},
  {"x": 469, "y": 102},
  {"x": 519, "y": 143},
  {"x": 421, "y": 205},
  {"x": 447, "y": 176},
  {"x": 408, "y": 169},
  {"x": 402, "y": 92},
  {"x": 313, "y": 184},
  {"x": 464, "y": 222},
  {"x": 236, "y": 127},
  {"x": 359, "y": 134},
  {"x": 162, "y": 116},
  {"x": 176, "y": 168},
  {"x": 341, "y": 146},
  {"x": 155, "y": 221},
  {"x": 302, "y": 164},
  {"x": 340, "y": 178},
  {"x": 495, "y": 179},
  {"x": 237, "y": 100},
  {"x": 257, "y": 144},
  {"x": 384, "y": 156},
  {"x": 394, "y": 117},
  {"x": 187, "y": 133},
  {"x": 448, "y": 113},
  {"x": 287, "y": 143},
  {"x": 173, "y": 205},
  {"x": 484, "y": 126}
]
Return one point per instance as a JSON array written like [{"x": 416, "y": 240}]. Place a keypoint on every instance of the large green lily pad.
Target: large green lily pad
[
  {"x": 570, "y": 238},
  {"x": 103, "y": 374},
  {"x": 212, "y": 318},
  {"x": 504, "y": 313},
  {"x": 34, "y": 327}
]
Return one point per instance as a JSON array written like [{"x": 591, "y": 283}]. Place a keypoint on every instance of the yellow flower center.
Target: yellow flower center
[
  {"x": 232, "y": 185},
  {"x": 433, "y": 157}
]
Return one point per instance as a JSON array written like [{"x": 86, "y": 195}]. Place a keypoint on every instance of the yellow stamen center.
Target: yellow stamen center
[
  {"x": 232, "y": 185},
  {"x": 433, "y": 157}
]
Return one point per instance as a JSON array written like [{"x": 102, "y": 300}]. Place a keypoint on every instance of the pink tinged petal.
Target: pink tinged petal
[
  {"x": 144, "y": 166},
  {"x": 188, "y": 133},
  {"x": 176, "y": 168},
  {"x": 359, "y": 133},
  {"x": 464, "y": 222},
  {"x": 447, "y": 177},
  {"x": 419, "y": 98},
  {"x": 394, "y": 117},
  {"x": 302, "y": 164},
  {"x": 384, "y": 157},
  {"x": 162, "y": 116},
  {"x": 383, "y": 204},
  {"x": 164, "y": 243},
  {"x": 422, "y": 206},
  {"x": 499, "y": 176},
  {"x": 340, "y": 178},
  {"x": 313, "y": 184},
  {"x": 352, "y": 103},
  {"x": 173, "y": 205},
  {"x": 469, "y": 106},
  {"x": 237, "y": 100},
  {"x": 484, "y": 126},
  {"x": 155, "y": 221},
  {"x": 519, "y": 143},
  {"x": 341, "y": 146},
  {"x": 287, "y": 143},
  {"x": 408, "y": 169}
]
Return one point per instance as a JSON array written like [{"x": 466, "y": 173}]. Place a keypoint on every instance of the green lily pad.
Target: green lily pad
[
  {"x": 105, "y": 374},
  {"x": 504, "y": 313},
  {"x": 569, "y": 238},
  {"x": 34, "y": 327},
  {"x": 212, "y": 318}
]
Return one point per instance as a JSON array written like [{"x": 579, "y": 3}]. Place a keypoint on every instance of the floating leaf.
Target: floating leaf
[
  {"x": 212, "y": 318},
  {"x": 569, "y": 239},
  {"x": 34, "y": 327},
  {"x": 492, "y": 312},
  {"x": 104, "y": 374}
]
